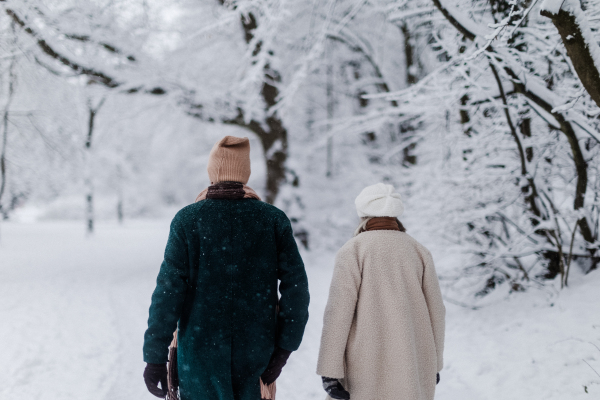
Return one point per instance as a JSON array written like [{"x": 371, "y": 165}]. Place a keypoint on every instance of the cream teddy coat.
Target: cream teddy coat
[{"x": 383, "y": 330}]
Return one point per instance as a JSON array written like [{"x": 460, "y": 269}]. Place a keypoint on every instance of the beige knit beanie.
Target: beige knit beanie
[{"x": 229, "y": 160}]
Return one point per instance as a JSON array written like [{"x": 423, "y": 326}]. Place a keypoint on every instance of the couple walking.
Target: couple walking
[{"x": 383, "y": 332}]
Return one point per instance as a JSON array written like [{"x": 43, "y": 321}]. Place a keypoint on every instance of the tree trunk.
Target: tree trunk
[
  {"x": 330, "y": 111},
  {"x": 88, "y": 179},
  {"x": 120, "y": 215},
  {"x": 4, "y": 140},
  {"x": 275, "y": 146},
  {"x": 412, "y": 69},
  {"x": 89, "y": 206},
  {"x": 274, "y": 139},
  {"x": 582, "y": 48},
  {"x": 465, "y": 118},
  {"x": 89, "y": 188}
]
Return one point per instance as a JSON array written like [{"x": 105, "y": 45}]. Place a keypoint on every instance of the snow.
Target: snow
[
  {"x": 552, "y": 6},
  {"x": 74, "y": 311}
]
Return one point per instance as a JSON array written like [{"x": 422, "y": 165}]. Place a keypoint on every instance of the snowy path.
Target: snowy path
[{"x": 73, "y": 312}]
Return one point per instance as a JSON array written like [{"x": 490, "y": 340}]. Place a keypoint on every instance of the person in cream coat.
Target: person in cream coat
[{"x": 383, "y": 331}]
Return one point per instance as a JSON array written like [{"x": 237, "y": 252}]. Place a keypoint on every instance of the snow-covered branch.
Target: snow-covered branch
[
  {"x": 578, "y": 39},
  {"x": 95, "y": 75}
]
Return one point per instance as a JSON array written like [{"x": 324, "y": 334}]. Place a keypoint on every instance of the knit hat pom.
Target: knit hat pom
[
  {"x": 229, "y": 160},
  {"x": 379, "y": 200}
]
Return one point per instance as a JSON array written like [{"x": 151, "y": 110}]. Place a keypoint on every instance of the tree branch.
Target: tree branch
[
  {"x": 108, "y": 47},
  {"x": 578, "y": 39},
  {"x": 509, "y": 121},
  {"x": 460, "y": 26},
  {"x": 94, "y": 75}
]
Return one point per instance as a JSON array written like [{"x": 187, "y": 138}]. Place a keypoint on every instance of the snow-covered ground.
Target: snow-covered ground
[{"x": 73, "y": 312}]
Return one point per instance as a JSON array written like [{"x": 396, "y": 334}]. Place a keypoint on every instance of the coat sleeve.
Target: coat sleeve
[
  {"x": 293, "y": 287},
  {"x": 339, "y": 314},
  {"x": 168, "y": 297},
  {"x": 435, "y": 304}
]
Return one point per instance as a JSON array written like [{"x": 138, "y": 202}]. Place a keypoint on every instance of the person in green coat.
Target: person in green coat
[{"x": 218, "y": 287}]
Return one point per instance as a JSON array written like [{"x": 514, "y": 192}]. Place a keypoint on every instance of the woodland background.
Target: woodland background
[{"x": 484, "y": 114}]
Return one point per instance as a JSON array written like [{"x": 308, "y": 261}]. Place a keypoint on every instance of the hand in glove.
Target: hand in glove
[
  {"x": 334, "y": 389},
  {"x": 278, "y": 360},
  {"x": 153, "y": 374},
  {"x": 437, "y": 378}
]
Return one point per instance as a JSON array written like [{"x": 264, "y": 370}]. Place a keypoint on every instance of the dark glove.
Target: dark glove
[
  {"x": 278, "y": 360},
  {"x": 153, "y": 374},
  {"x": 437, "y": 378},
  {"x": 334, "y": 389}
]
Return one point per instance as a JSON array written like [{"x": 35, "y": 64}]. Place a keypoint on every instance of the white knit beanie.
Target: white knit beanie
[{"x": 379, "y": 200}]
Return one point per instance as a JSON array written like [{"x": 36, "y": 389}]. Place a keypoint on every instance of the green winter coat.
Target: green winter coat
[{"x": 219, "y": 281}]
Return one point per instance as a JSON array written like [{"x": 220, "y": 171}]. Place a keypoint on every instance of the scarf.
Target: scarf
[
  {"x": 172, "y": 373},
  {"x": 382, "y": 223},
  {"x": 227, "y": 190}
]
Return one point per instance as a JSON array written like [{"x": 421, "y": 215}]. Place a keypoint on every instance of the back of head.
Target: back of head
[
  {"x": 229, "y": 160},
  {"x": 379, "y": 203}
]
